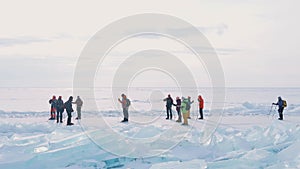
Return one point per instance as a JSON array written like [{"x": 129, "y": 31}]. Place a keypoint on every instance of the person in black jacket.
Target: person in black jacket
[
  {"x": 69, "y": 109},
  {"x": 169, "y": 103},
  {"x": 60, "y": 109}
]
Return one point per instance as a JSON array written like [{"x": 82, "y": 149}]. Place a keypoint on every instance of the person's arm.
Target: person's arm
[
  {"x": 120, "y": 100},
  {"x": 75, "y": 102}
]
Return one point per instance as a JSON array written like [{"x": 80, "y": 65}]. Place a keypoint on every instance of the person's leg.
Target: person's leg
[
  {"x": 171, "y": 113},
  {"x": 51, "y": 113},
  {"x": 69, "y": 118},
  {"x": 189, "y": 114},
  {"x": 178, "y": 113},
  {"x": 279, "y": 114},
  {"x": 54, "y": 113},
  {"x": 79, "y": 112},
  {"x": 57, "y": 117},
  {"x": 179, "y": 116},
  {"x": 280, "y": 111},
  {"x": 61, "y": 116},
  {"x": 185, "y": 118},
  {"x": 126, "y": 115},
  {"x": 201, "y": 113},
  {"x": 167, "y": 113}
]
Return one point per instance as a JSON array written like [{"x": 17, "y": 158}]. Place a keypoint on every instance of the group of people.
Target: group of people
[
  {"x": 58, "y": 106},
  {"x": 183, "y": 107}
]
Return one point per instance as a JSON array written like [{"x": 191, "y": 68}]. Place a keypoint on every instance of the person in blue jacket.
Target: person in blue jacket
[
  {"x": 280, "y": 107},
  {"x": 60, "y": 109}
]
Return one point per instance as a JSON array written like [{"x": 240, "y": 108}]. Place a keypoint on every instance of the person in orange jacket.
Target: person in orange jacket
[{"x": 201, "y": 106}]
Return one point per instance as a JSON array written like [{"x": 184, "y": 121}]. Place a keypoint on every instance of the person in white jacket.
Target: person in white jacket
[{"x": 79, "y": 104}]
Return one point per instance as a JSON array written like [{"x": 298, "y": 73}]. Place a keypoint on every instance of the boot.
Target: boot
[
  {"x": 124, "y": 120},
  {"x": 280, "y": 117}
]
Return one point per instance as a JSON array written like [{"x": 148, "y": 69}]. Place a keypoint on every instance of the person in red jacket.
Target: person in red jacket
[
  {"x": 201, "y": 106},
  {"x": 53, "y": 103}
]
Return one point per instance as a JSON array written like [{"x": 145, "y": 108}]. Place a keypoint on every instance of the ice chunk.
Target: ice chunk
[{"x": 41, "y": 149}]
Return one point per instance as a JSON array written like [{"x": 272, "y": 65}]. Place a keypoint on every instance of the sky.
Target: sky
[{"x": 256, "y": 41}]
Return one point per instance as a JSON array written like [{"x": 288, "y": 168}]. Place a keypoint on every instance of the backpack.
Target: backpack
[
  {"x": 128, "y": 103},
  {"x": 284, "y": 103},
  {"x": 188, "y": 106}
]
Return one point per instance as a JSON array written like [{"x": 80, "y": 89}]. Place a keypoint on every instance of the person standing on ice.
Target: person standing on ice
[
  {"x": 281, "y": 105},
  {"x": 53, "y": 103},
  {"x": 69, "y": 109},
  {"x": 169, "y": 104},
  {"x": 125, "y": 105},
  {"x": 60, "y": 109},
  {"x": 178, "y": 106},
  {"x": 201, "y": 106},
  {"x": 79, "y": 104},
  {"x": 184, "y": 110},
  {"x": 188, "y": 107}
]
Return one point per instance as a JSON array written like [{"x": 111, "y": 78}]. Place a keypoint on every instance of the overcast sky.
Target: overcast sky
[{"x": 257, "y": 41}]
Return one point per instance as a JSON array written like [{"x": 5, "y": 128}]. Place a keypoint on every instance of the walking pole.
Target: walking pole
[{"x": 271, "y": 110}]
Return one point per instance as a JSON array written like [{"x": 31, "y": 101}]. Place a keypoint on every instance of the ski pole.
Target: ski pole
[{"x": 271, "y": 110}]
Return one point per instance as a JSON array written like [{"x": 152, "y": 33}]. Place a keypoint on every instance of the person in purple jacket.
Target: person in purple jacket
[{"x": 178, "y": 106}]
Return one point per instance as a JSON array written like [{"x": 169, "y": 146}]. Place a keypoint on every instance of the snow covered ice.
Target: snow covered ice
[{"x": 248, "y": 135}]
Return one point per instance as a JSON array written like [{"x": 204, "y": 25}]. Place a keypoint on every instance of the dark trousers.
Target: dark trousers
[
  {"x": 201, "y": 113},
  {"x": 280, "y": 111},
  {"x": 125, "y": 113},
  {"x": 59, "y": 115},
  {"x": 69, "y": 113},
  {"x": 179, "y": 113},
  {"x": 169, "y": 112}
]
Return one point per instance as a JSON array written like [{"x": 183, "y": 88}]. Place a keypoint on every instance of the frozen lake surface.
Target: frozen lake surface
[{"x": 248, "y": 135}]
